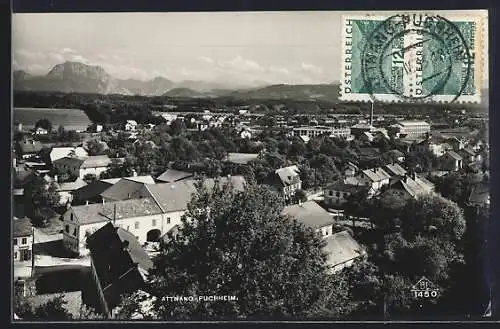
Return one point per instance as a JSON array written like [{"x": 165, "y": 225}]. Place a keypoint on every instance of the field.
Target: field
[{"x": 70, "y": 119}]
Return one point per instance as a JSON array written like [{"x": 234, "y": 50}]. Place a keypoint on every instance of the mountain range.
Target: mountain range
[{"x": 78, "y": 77}]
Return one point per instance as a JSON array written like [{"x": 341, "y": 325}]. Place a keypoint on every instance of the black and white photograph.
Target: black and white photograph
[{"x": 251, "y": 166}]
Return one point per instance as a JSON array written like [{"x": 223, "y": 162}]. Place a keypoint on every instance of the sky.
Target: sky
[{"x": 248, "y": 47}]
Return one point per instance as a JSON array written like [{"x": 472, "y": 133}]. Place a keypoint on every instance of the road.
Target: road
[{"x": 47, "y": 261}]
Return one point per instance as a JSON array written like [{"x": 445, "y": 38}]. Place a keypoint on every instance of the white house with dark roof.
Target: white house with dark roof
[
  {"x": 150, "y": 212},
  {"x": 312, "y": 215},
  {"x": 22, "y": 238},
  {"x": 337, "y": 194},
  {"x": 374, "y": 178},
  {"x": 82, "y": 166},
  {"x": 139, "y": 216}
]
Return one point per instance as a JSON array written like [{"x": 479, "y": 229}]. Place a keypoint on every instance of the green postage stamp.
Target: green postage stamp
[{"x": 413, "y": 57}]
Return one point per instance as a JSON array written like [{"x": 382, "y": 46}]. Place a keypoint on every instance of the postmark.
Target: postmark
[{"x": 412, "y": 57}]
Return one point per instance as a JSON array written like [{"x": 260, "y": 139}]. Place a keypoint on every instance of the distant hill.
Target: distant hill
[
  {"x": 327, "y": 92},
  {"x": 76, "y": 77},
  {"x": 184, "y": 93}
]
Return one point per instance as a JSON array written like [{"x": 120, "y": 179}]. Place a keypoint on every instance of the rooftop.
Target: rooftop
[
  {"x": 61, "y": 152},
  {"x": 341, "y": 247},
  {"x": 288, "y": 175},
  {"x": 99, "y": 212},
  {"x": 376, "y": 174},
  {"x": 309, "y": 213},
  {"x": 22, "y": 227},
  {"x": 454, "y": 155},
  {"x": 72, "y": 186},
  {"x": 172, "y": 175},
  {"x": 409, "y": 123},
  {"x": 395, "y": 169},
  {"x": 122, "y": 190}
]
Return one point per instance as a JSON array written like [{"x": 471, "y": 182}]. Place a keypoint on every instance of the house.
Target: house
[
  {"x": 452, "y": 161},
  {"x": 172, "y": 175},
  {"x": 27, "y": 148},
  {"x": 66, "y": 190},
  {"x": 479, "y": 196},
  {"x": 469, "y": 155},
  {"x": 92, "y": 192},
  {"x": 122, "y": 190},
  {"x": 22, "y": 235},
  {"x": 286, "y": 180},
  {"x": 169, "y": 117},
  {"x": 395, "y": 170},
  {"x": 433, "y": 144},
  {"x": 57, "y": 153},
  {"x": 342, "y": 251},
  {"x": 337, "y": 194},
  {"x": 412, "y": 185},
  {"x": 130, "y": 125},
  {"x": 80, "y": 167},
  {"x": 41, "y": 131},
  {"x": 152, "y": 211},
  {"x": 374, "y": 178},
  {"x": 139, "y": 216},
  {"x": 351, "y": 169},
  {"x": 412, "y": 128},
  {"x": 119, "y": 265},
  {"x": 240, "y": 158},
  {"x": 311, "y": 215}
]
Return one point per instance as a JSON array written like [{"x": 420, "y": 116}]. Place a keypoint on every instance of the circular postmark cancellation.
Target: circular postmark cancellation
[{"x": 416, "y": 57}]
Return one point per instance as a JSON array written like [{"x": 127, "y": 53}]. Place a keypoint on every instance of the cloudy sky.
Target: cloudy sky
[{"x": 249, "y": 47}]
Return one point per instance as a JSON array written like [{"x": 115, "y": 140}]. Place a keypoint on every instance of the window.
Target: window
[
  {"x": 168, "y": 220},
  {"x": 71, "y": 217},
  {"x": 15, "y": 255},
  {"x": 15, "y": 242},
  {"x": 153, "y": 222},
  {"x": 338, "y": 194},
  {"x": 66, "y": 229},
  {"x": 74, "y": 232},
  {"x": 24, "y": 241},
  {"x": 330, "y": 193},
  {"x": 136, "y": 225}
]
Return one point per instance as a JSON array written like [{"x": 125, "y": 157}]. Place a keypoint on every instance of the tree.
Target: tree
[
  {"x": 54, "y": 309},
  {"x": 433, "y": 215},
  {"x": 95, "y": 147},
  {"x": 40, "y": 196},
  {"x": 237, "y": 244},
  {"x": 300, "y": 196},
  {"x": 44, "y": 123}
]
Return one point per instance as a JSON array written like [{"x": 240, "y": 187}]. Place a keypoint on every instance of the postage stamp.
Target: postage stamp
[{"x": 413, "y": 57}]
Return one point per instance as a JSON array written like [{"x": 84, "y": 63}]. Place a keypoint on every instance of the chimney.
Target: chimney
[
  {"x": 56, "y": 179},
  {"x": 413, "y": 175},
  {"x": 405, "y": 178},
  {"x": 87, "y": 202},
  {"x": 103, "y": 201}
]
